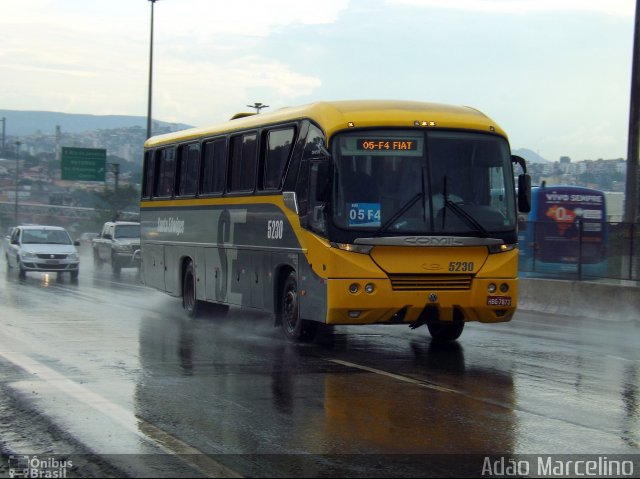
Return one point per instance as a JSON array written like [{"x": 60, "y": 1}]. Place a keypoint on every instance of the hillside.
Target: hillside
[
  {"x": 529, "y": 155},
  {"x": 19, "y": 123}
]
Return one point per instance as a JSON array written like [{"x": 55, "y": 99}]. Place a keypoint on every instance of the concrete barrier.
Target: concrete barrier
[{"x": 580, "y": 298}]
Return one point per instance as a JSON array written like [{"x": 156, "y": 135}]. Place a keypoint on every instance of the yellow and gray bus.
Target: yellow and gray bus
[{"x": 342, "y": 213}]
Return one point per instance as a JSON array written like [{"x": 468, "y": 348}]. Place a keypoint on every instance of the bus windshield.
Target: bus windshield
[{"x": 413, "y": 182}]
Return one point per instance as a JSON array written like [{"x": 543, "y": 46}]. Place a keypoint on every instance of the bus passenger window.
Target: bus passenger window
[
  {"x": 279, "y": 145},
  {"x": 165, "y": 172},
  {"x": 188, "y": 168},
  {"x": 214, "y": 167},
  {"x": 242, "y": 174},
  {"x": 147, "y": 188}
]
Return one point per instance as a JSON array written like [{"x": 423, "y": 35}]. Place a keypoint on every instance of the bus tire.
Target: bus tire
[
  {"x": 295, "y": 329},
  {"x": 189, "y": 301},
  {"x": 446, "y": 331}
]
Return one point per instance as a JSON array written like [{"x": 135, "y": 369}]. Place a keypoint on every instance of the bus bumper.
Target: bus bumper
[{"x": 385, "y": 306}]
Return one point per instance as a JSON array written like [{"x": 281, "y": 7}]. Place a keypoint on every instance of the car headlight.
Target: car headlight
[
  {"x": 73, "y": 257},
  {"x": 28, "y": 255},
  {"x": 122, "y": 247}
]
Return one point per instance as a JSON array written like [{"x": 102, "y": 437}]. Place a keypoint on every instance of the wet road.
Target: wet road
[{"x": 106, "y": 366}]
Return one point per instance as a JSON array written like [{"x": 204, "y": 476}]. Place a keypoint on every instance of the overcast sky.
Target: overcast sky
[{"x": 555, "y": 74}]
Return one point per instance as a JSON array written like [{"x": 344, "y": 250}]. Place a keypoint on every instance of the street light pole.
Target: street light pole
[
  {"x": 150, "y": 73},
  {"x": 17, "y": 176}
]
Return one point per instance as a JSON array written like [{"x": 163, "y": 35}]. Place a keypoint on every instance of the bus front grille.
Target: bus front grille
[{"x": 430, "y": 282}]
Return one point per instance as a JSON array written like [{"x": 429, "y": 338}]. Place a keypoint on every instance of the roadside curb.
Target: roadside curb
[{"x": 580, "y": 298}]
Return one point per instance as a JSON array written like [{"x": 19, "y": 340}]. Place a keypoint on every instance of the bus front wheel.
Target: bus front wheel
[
  {"x": 294, "y": 328},
  {"x": 446, "y": 331},
  {"x": 189, "y": 301}
]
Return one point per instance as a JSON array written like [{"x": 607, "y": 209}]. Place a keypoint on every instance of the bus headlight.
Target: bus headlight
[
  {"x": 504, "y": 287},
  {"x": 501, "y": 248},
  {"x": 354, "y": 288},
  {"x": 492, "y": 288},
  {"x": 355, "y": 248},
  {"x": 369, "y": 288}
]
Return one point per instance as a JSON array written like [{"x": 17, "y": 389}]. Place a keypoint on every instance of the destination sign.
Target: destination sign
[{"x": 384, "y": 144}]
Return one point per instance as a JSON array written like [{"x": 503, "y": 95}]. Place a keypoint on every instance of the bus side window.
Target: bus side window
[
  {"x": 277, "y": 153},
  {"x": 302, "y": 189},
  {"x": 242, "y": 164},
  {"x": 165, "y": 174},
  {"x": 188, "y": 168},
  {"x": 313, "y": 148},
  {"x": 214, "y": 167},
  {"x": 147, "y": 188}
]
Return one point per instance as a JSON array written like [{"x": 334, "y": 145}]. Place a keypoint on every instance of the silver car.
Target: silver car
[{"x": 42, "y": 248}]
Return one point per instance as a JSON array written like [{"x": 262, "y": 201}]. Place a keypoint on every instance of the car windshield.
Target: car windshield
[
  {"x": 45, "y": 236},
  {"x": 127, "y": 231},
  {"x": 416, "y": 182}
]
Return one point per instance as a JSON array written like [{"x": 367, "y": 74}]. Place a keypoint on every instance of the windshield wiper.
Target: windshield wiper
[
  {"x": 404, "y": 209},
  {"x": 460, "y": 212},
  {"x": 399, "y": 213},
  {"x": 466, "y": 217}
]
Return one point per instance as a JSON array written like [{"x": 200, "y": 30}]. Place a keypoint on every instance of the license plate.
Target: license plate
[
  {"x": 52, "y": 261},
  {"x": 499, "y": 301}
]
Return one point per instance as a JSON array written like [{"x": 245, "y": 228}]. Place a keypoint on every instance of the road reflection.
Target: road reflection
[{"x": 232, "y": 385}]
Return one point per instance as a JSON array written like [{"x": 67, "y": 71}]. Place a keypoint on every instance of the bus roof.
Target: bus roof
[{"x": 333, "y": 116}]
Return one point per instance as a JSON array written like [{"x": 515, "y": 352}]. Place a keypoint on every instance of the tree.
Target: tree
[{"x": 111, "y": 204}]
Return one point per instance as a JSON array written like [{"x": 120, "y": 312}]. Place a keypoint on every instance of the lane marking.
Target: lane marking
[
  {"x": 405, "y": 379},
  {"x": 619, "y": 358},
  {"x": 146, "y": 431}
]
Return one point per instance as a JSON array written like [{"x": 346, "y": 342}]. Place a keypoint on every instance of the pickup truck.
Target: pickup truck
[{"x": 118, "y": 245}]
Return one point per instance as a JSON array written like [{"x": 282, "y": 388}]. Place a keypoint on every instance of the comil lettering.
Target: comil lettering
[{"x": 171, "y": 225}]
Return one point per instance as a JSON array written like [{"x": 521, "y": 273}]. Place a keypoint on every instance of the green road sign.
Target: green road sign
[{"x": 83, "y": 164}]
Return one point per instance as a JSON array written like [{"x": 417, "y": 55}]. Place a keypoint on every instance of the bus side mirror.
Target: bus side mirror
[
  {"x": 524, "y": 193},
  {"x": 518, "y": 160}
]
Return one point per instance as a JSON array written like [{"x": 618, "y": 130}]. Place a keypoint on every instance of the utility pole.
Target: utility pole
[
  {"x": 115, "y": 169},
  {"x": 4, "y": 129},
  {"x": 18, "y": 143},
  {"x": 633, "y": 151},
  {"x": 150, "y": 73}
]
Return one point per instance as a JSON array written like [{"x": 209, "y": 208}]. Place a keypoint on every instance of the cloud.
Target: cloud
[
  {"x": 208, "y": 93},
  {"x": 243, "y": 17},
  {"x": 609, "y": 7}
]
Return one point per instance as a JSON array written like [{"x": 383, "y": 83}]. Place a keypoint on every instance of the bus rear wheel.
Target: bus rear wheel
[
  {"x": 295, "y": 328},
  {"x": 446, "y": 331},
  {"x": 189, "y": 301}
]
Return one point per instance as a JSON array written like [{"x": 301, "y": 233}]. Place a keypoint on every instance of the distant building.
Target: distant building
[{"x": 615, "y": 206}]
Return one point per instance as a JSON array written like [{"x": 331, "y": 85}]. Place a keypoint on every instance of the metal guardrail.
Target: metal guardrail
[
  {"x": 583, "y": 250},
  {"x": 45, "y": 211}
]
